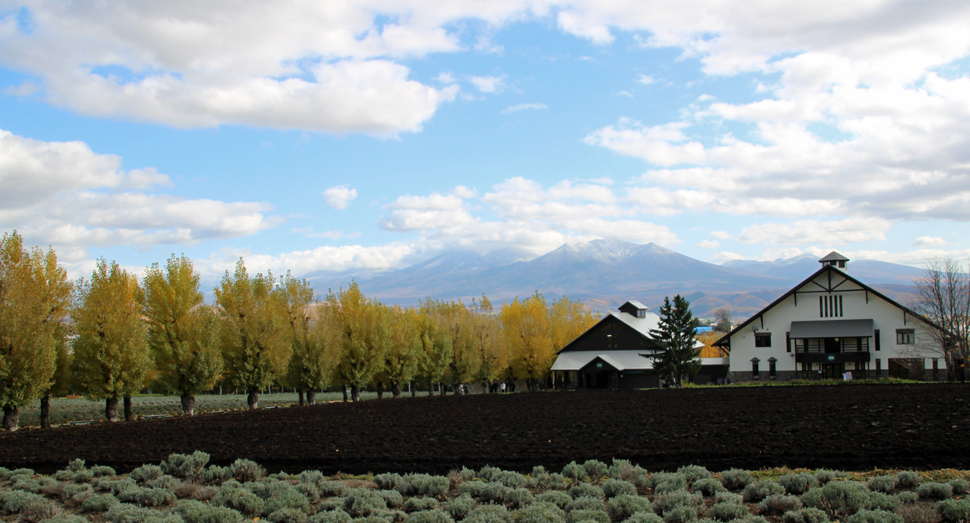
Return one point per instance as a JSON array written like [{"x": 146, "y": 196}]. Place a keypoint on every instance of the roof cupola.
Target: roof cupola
[{"x": 834, "y": 259}]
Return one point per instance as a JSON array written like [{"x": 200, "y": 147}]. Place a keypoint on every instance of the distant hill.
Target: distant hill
[{"x": 604, "y": 274}]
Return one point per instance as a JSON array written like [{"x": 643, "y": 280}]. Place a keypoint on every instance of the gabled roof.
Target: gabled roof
[
  {"x": 724, "y": 341},
  {"x": 641, "y": 326},
  {"x": 833, "y": 256}
]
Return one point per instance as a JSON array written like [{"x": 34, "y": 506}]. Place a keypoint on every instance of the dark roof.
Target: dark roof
[
  {"x": 833, "y": 256},
  {"x": 724, "y": 341}
]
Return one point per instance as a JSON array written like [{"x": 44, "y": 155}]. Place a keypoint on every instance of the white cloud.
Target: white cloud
[
  {"x": 645, "y": 79},
  {"x": 523, "y": 107},
  {"x": 709, "y": 244},
  {"x": 339, "y": 197},
  {"x": 929, "y": 241},
  {"x": 834, "y": 232},
  {"x": 64, "y": 194},
  {"x": 488, "y": 84}
]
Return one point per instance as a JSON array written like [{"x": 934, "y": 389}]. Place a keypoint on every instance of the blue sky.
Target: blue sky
[{"x": 374, "y": 134}]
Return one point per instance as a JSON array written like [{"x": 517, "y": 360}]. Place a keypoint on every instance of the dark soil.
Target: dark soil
[{"x": 841, "y": 427}]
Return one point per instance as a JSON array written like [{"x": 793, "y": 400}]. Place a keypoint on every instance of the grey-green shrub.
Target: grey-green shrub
[
  {"x": 146, "y": 473},
  {"x": 667, "y": 501},
  {"x": 193, "y": 511},
  {"x": 574, "y": 471},
  {"x": 393, "y": 498},
  {"x": 416, "y": 504},
  {"x": 844, "y": 498},
  {"x": 908, "y": 479},
  {"x": 539, "y": 513},
  {"x": 13, "y": 501},
  {"x": 102, "y": 470},
  {"x": 919, "y": 513},
  {"x": 778, "y": 504},
  {"x": 459, "y": 507},
  {"x": 805, "y": 515},
  {"x": 66, "y": 518},
  {"x": 488, "y": 514},
  {"x": 362, "y": 502},
  {"x": 332, "y": 488},
  {"x": 239, "y": 499},
  {"x": 585, "y": 503},
  {"x": 586, "y": 490},
  {"x": 693, "y": 473},
  {"x": 126, "y": 513},
  {"x": 824, "y": 476},
  {"x": 429, "y": 516},
  {"x": 287, "y": 498},
  {"x": 215, "y": 475},
  {"x": 881, "y": 483},
  {"x": 556, "y": 497},
  {"x": 555, "y": 481},
  {"x": 310, "y": 490},
  {"x": 186, "y": 466},
  {"x": 707, "y": 487},
  {"x": 288, "y": 515},
  {"x": 960, "y": 486},
  {"x": 644, "y": 517},
  {"x": 150, "y": 497},
  {"x": 311, "y": 477},
  {"x": 493, "y": 492},
  {"x": 616, "y": 487},
  {"x": 933, "y": 490},
  {"x": 874, "y": 516},
  {"x": 625, "y": 505},
  {"x": 330, "y": 516},
  {"x": 164, "y": 481},
  {"x": 954, "y": 510},
  {"x": 681, "y": 514},
  {"x": 510, "y": 479},
  {"x": 907, "y": 497},
  {"x": 736, "y": 479},
  {"x": 728, "y": 511},
  {"x": 28, "y": 485},
  {"x": 37, "y": 510},
  {"x": 70, "y": 490},
  {"x": 595, "y": 469},
  {"x": 519, "y": 497},
  {"x": 488, "y": 471},
  {"x": 621, "y": 469},
  {"x": 205, "y": 493},
  {"x": 728, "y": 497},
  {"x": 578, "y": 516},
  {"x": 387, "y": 481},
  {"x": 99, "y": 503},
  {"x": 798, "y": 483},
  {"x": 423, "y": 485},
  {"x": 759, "y": 490},
  {"x": 883, "y": 501},
  {"x": 245, "y": 470}
]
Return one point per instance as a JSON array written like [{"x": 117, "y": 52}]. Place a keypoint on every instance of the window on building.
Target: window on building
[
  {"x": 762, "y": 339},
  {"x": 875, "y": 334},
  {"x": 905, "y": 336},
  {"x": 830, "y": 306},
  {"x": 610, "y": 342},
  {"x": 771, "y": 367},
  {"x": 754, "y": 367}
]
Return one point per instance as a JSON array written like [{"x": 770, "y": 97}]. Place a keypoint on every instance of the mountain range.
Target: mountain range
[{"x": 606, "y": 273}]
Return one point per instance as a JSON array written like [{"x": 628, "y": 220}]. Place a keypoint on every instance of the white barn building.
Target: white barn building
[{"x": 833, "y": 326}]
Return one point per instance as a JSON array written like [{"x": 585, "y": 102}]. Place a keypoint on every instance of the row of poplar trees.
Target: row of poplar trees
[{"x": 109, "y": 337}]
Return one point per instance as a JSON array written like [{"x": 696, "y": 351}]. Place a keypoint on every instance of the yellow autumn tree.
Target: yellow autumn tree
[
  {"x": 528, "y": 334},
  {"x": 314, "y": 338},
  {"x": 404, "y": 352},
  {"x": 457, "y": 321},
  {"x": 364, "y": 337},
  {"x": 436, "y": 349},
  {"x": 489, "y": 342}
]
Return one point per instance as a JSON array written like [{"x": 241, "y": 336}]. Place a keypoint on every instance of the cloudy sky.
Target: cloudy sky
[{"x": 372, "y": 133}]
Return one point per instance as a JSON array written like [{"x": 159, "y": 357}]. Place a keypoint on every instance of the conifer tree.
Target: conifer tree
[
  {"x": 182, "y": 330},
  {"x": 111, "y": 356},
  {"x": 34, "y": 296},
  {"x": 674, "y": 356},
  {"x": 256, "y": 345}
]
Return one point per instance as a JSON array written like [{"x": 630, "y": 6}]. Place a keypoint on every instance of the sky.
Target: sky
[{"x": 373, "y": 134}]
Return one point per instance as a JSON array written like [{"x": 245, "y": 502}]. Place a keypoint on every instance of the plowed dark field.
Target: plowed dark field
[{"x": 847, "y": 427}]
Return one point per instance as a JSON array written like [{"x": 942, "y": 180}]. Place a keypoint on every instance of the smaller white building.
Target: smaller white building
[{"x": 832, "y": 326}]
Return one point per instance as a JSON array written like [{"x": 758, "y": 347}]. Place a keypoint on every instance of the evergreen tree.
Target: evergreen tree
[
  {"x": 111, "y": 356},
  {"x": 182, "y": 330},
  {"x": 34, "y": 296},
  {"x": 673, "y": 354}
]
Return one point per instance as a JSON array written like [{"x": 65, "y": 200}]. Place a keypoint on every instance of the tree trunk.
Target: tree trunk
[
  {"x": 45, "y": 410},
  {"x": 414, "y": 391},
  {"x": 430, "y": 388},
  {"x": 253, "y": 399},
  {"x": 311, "y": 397},
  {"x": 380, "y": 390},
  {"x": 396, "y": 390},
  {"x": 111, "y": 409},
  {"x": 355, "y": 393},
  {"x": 188, "y": 404},
  {"x": 11, "y": 418},
  {"x": 345, "y": 392},
  {"x": 300, "y": 393},
  {"x": 127, "y": 404}
]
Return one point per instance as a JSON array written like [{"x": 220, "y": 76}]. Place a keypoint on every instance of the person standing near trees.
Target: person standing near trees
[
  {"x": 34, "y": 297},
  {"x": 111, "y": 356}
]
